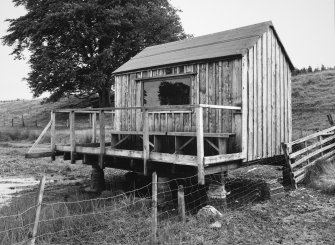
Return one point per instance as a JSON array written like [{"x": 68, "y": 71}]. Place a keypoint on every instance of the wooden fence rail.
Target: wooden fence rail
[{"x": 304, "y": 152}]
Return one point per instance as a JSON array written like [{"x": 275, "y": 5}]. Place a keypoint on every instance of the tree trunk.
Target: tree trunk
[{"x": 104, "y": 97}]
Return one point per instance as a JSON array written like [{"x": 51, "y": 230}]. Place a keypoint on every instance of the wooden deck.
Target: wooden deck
[{"x": 144, "y": 150}]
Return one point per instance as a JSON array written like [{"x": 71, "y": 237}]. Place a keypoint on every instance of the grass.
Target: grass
[
  {"x": 312, "y": 100},
  {"x": 34, "y": 111},
  {"x": 321, "y": 176}
]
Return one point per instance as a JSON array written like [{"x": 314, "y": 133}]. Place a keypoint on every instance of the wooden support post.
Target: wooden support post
[
  {"x": 154, "y": 208},
  {"x": 223, "y": 149},
  {"x": 146, "y": 142},
  {"x": 200, "y": 144},
  {"x": 330, "y": 119},
  {"x": 90, "y": 120},
  {"x": 102, "y": 138},
  {"x": 181, "y": 203},
  {"x": 38, "y": 209},
  {"x": 53, "y": 135},
  {"x": 94, "y": 127},
  {"x": 287, "y": 170},
  {"x": 72, "y": 136}
]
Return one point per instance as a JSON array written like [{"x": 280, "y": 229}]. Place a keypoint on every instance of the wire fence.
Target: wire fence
[{"x": 128, "y": 217}]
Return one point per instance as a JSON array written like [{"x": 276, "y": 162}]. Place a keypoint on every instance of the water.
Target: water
[{"x": 10, "y": 186}]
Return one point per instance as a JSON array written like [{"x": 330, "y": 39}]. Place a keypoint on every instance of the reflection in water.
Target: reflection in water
[{"x": 167, "y": 92}]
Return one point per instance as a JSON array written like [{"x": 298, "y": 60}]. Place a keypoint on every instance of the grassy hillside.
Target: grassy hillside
[
  {"x": 33, "y": 111},
  {"x": 313, "y": 97}
]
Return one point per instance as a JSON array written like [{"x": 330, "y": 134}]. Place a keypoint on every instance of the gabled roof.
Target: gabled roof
[{"x": 222, "y": 44}]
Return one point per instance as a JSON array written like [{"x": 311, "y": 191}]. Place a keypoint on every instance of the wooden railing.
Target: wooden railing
[
  {"x": 145, "y": 131},
  {"x": 304, "y": 152}
]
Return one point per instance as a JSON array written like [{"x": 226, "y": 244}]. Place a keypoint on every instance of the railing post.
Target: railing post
[
  {"x": 146, "y": 142},
  {"x": 53, "y": 134},
  {"x": 72, "y": 136},
  {"x": 200, "y": 144},
  {"x": 102, "y": 138},
  {"x": 94, "y": 127}
]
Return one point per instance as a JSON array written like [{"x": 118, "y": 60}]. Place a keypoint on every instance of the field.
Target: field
[{"x": 304, "y": 216}]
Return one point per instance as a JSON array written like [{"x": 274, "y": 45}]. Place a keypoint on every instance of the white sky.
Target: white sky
[{"x": 306, "y": 28}]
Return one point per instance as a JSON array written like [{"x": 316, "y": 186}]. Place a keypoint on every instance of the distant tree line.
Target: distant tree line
[{"x": 309, "y": 69}]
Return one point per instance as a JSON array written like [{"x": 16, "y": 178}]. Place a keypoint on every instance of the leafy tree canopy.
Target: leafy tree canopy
[{"x": 75, "y": 45}]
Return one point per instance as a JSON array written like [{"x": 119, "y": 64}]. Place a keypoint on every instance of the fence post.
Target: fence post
[
  {"x": 12, "y": 122},
  {"x": 154, "y": 208},
  {"x": 38, "y": 210},
  {"x": 22, "y": 121},
  {"x": 181, "y": 203}
]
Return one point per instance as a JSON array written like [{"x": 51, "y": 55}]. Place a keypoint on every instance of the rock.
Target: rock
[
  {"x": 216, "y": 224},
  {"x": 209, "y": 212}
]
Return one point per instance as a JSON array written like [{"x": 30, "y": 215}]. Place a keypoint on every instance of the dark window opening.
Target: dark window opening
[
  {"x": 168, "y": 71},
  {"x": 167, "y": 91}
]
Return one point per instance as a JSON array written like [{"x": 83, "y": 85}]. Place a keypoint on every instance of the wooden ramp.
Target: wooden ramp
[{"x": 304, "y": 152}]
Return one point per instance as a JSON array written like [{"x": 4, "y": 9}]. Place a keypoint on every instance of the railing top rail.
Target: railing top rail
[
  {"x": 154, "y": 108},
  {"x": 311, "y": 136}
]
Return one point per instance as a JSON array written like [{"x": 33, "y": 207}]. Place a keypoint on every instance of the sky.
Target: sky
[{"x": 305, "y": 27}]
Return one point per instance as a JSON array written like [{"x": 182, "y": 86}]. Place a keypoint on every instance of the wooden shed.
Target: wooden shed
[{"x": 209, "y": 103}]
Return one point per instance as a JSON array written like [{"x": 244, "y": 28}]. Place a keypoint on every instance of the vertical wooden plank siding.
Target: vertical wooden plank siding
[
  {"x": 265, "y": 93},
  {"x": 269, "y": 105},
  {"x": 273, "y": 94},
  {"x": 282, "y": 103},
  {"x": 278, "y": 98},
  {"x": 255, "y": 102},
  {"x": 289, "y": 106},
  {"x": 245, "y": 106},
  {"x": 251, "y": 104},
  {"x": 236, "y": 100},
  {"x": 285, "y": 103},
  {"x": 260, "y": 99}
]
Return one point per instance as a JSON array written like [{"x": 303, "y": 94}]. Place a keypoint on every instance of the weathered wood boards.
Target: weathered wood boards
[
  {"x": 268, "y": 80},
  {"x": 214, "y": 83}
]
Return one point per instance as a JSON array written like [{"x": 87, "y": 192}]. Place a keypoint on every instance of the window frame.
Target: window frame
[{"x": 176, "y": 76}]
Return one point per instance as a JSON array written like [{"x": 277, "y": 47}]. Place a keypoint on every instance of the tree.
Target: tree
[
  {"x": 323, "y": 68},
  {"x": 75, "y": 45},
  {"x": 309, "y": 69}
]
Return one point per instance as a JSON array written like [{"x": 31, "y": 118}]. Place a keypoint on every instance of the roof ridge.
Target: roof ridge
[
  {"x": 268, "y": 23},
  {"x": 196, "y": 46}
]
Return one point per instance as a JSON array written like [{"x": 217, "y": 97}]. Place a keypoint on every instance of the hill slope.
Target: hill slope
[
  {"x": 313, "y": 97},
  {"x": 33, "y": 111}
]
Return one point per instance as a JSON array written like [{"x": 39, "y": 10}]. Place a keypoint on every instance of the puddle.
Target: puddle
[{"x": 10, "y": 186}]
